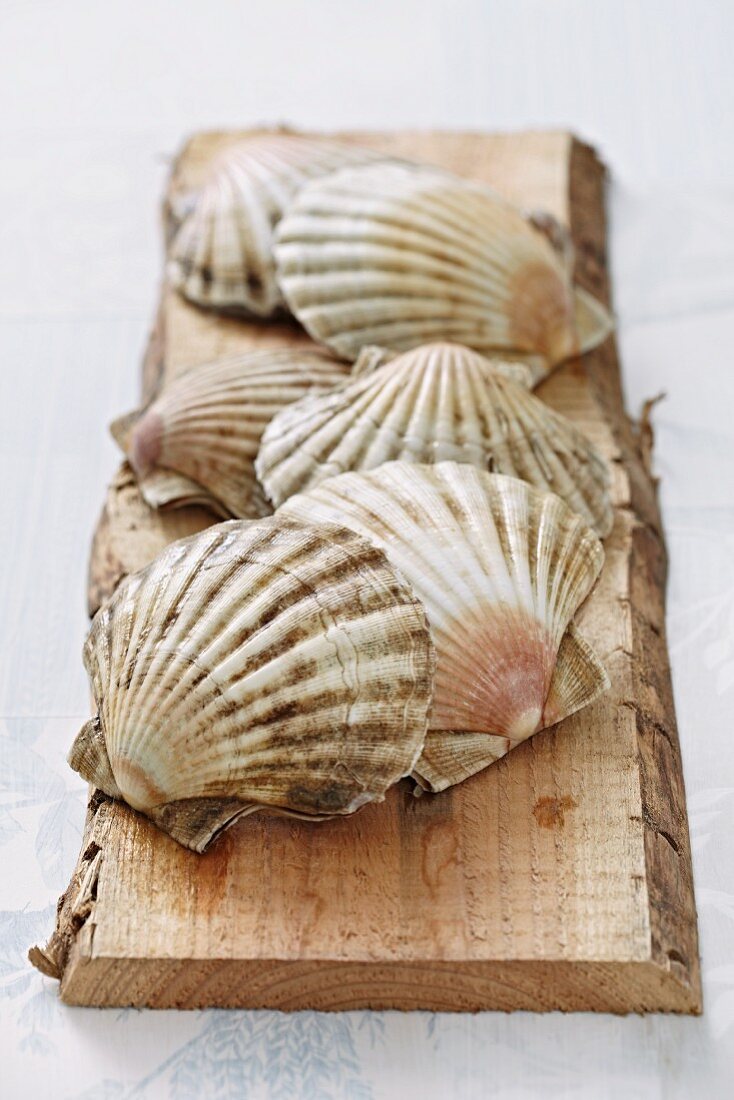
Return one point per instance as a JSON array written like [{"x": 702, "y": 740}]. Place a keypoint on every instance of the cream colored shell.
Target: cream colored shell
[
  {"x": 197, "y": 441},
  {"x": 500, "y": 569},
  {"x": 265, "y": 664},
  {"x": 439, "y": 402},
  {"x": 221, "y": 253},
  {"x": 402, "y": 255}
]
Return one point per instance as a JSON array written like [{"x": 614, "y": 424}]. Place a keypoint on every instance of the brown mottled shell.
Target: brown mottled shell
[
  {"x": 438, "y": 402},
  {"x": 500, "y": 569},
  {"x": 221, "y": 253},
  {"x": 256, "y": 665},
  {"x": 402, "y": 255},
  {"x": 197, "y": 441}
]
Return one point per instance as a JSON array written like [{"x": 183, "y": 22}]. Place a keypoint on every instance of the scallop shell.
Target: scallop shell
[
  {"x": 500, "y": 569},
  {"x": 196, "y": 442},
  {"x": 256, "y": 665},
  {"x": 402, "y": 255},
  {"x": 221, "y": 253},
  {"x": 435, "y": 403}
]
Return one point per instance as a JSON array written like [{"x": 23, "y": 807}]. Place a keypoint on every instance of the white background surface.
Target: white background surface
[{"x": 93, "y": 99}]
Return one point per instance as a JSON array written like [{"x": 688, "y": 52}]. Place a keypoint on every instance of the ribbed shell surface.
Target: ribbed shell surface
[
  {"x": 403, "y": 255},
  {"x": 222, "y": 253},
  {"x": 439, "y": 402},
  {"x": 450, "y": 756},
  {"x": 268, "y": 663},
  {"x": 207, "y": 424},
  {"x": 499, "y": 567},
  {"x": 372, "y": 357}
]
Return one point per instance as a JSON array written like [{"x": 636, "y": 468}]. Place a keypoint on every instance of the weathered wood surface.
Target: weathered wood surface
[{"x": 560, "y": 878}]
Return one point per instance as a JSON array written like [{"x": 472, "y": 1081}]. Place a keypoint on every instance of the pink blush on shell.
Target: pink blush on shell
[
  {"x": 146, "y": 442},
  {"x": 496, "y": 679}
]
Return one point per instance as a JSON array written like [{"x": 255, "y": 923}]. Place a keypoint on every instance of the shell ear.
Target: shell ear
[
  {"x": 579, "y": 678},
  {"x": 162, "y": 488},
  {"x": 525, "y": 368},
  {"x": 514, "y": 370},
  {"x": 449, "y": 757},
  {"x": 88, "y": 756},
  {"x": 197, "y": 822},
  {"x": 122, "y": 427},
  {"x": 370, "y": 359},
  {"x": 594, "y": 322}
]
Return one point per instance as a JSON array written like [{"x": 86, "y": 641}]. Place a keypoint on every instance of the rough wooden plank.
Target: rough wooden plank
[
  {"x": 129, "y": 535},
  {"x": 559, "y": 878}
]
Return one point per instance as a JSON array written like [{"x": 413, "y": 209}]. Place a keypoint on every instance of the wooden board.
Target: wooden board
[{"x": 560, "y": 878}]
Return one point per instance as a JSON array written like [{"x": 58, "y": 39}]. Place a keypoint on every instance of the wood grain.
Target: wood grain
[{"x": 560, "y": 878}]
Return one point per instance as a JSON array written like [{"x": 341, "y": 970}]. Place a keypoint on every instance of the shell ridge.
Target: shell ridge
[
  {"x": 449, "y": 757},
  {"x": 177, "y": 623}
]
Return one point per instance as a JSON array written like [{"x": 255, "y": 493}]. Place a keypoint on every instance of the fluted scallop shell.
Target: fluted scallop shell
[
  {"x": 256, "y": 665},
  {"x": 402, "y": 255},
  {"x": 197, "y": 441},
  {"x": 221, "y": 254},
  {"x": 500, "y": 569},
  {"x": 439, "y": 402}
]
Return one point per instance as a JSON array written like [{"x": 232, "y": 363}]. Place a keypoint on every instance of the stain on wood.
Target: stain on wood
[{"x": 550, "y": 812}]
